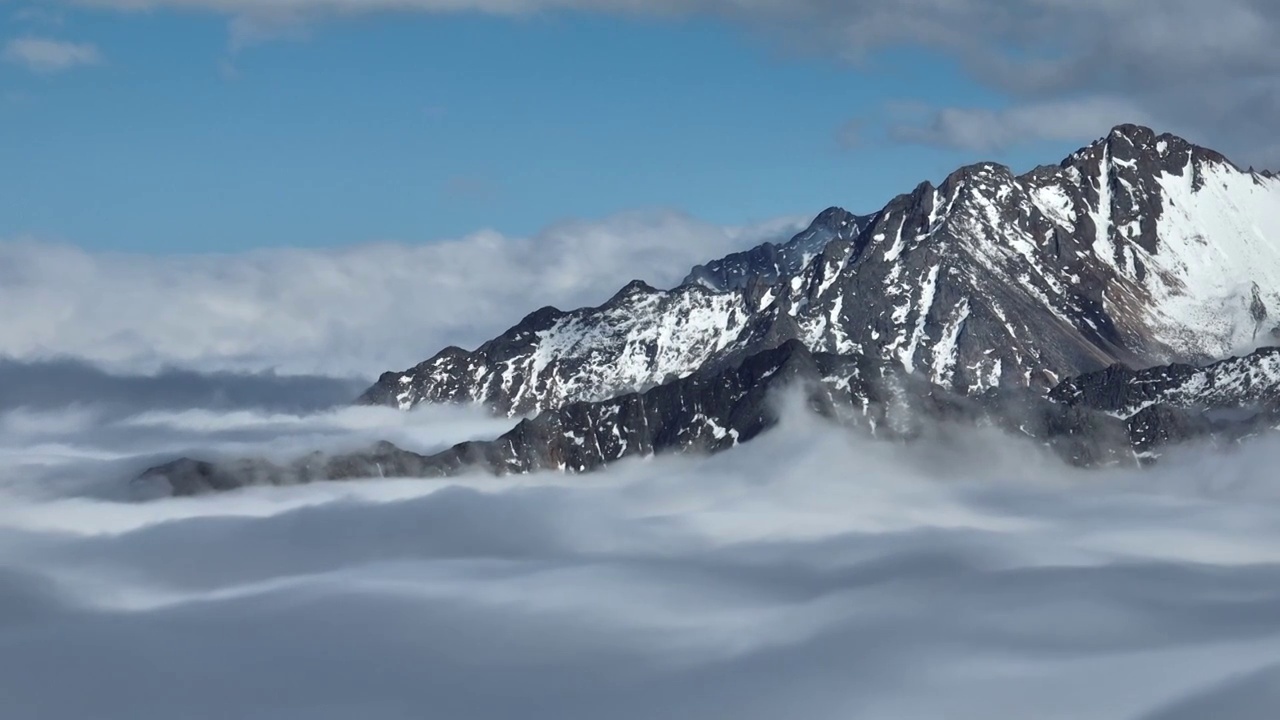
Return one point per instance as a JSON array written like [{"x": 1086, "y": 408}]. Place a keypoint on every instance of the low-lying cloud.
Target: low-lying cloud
[
  {"x": 66, "y": 382},
  {"x": 354, "y": 311},
  {"x": 808, "y": 574}
]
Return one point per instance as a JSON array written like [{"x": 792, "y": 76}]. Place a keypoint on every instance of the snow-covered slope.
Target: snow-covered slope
[
  {"x": 1138, "y": 249},
  {"x": 1194, "y": 258},
  {"x": 642, "y": 337}
]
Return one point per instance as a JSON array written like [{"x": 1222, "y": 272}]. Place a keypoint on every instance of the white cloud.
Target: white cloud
[
  {"x": 809, "y": 574},
  {"x": 45, "y": 55},
  {"x": 355, "y": 311},
  {"x": 985, "y": 130}
]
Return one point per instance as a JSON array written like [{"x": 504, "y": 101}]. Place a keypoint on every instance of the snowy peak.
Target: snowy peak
[
  {"x": 1190, "y": 242},
  {"x": 1141, "y": 149},
  {"x": 1140, "y": 248},
  {"x": 1143, "y": 248}
]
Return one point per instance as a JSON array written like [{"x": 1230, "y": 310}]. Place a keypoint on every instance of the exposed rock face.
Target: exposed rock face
[
  {"x": 708, "y": 413},
  {"x": 1228, "y": 400},
  {"x": 1250, "y": 381},
  {"x": 1138, "y": 249}
]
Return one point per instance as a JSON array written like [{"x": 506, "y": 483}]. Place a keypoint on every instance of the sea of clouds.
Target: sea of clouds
[{"x": 810, "y": 574}]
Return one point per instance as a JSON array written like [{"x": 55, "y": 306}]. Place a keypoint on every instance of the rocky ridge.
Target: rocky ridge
[{"x": 1139, "y": 249}]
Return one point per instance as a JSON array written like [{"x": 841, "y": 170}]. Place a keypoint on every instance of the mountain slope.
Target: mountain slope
[
  {"x": 1115, "y": 416},
  {"x": 1138, "y": 249}
]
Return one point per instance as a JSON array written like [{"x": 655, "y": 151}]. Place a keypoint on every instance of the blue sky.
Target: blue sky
[{"x": 416, "y": 126}]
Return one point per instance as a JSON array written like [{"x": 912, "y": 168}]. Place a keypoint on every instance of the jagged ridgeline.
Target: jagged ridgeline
[
  {"x": 1138, "y": 249},
  {"x": 1080, "y": 298}
]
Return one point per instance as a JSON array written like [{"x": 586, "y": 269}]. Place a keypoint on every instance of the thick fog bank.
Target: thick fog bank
[{"x": 809, "y": 574}]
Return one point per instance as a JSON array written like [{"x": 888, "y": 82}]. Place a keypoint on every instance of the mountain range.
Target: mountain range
[{"x": 1106, "y": 307}]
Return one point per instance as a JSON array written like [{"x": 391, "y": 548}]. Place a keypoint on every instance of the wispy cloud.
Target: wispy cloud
[
  {"x": 851, "y": 134},
  {"x": 46, "y": 55},
  {"x": 984, "y": 130},
  {"x": 476, "y": 189},
  {"x": 355, "y": 311}
]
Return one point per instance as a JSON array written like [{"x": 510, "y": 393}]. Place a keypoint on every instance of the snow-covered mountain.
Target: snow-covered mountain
[
  {"x": 1080, "y": 306},
  {"x": 1138, "y": 249}
]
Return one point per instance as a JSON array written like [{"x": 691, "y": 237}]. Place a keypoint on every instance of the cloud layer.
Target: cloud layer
[
  {"x": 354, "y": 311},
  {"x": 810, "y": 574}
]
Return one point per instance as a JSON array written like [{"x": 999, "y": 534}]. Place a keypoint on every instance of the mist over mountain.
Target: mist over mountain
[{"x": 639, "y": 360}]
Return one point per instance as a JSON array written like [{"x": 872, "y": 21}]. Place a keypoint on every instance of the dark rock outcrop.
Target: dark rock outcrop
[
  {"x": 1242, "y": 382},
  {"x": 714, "y": 412}
]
